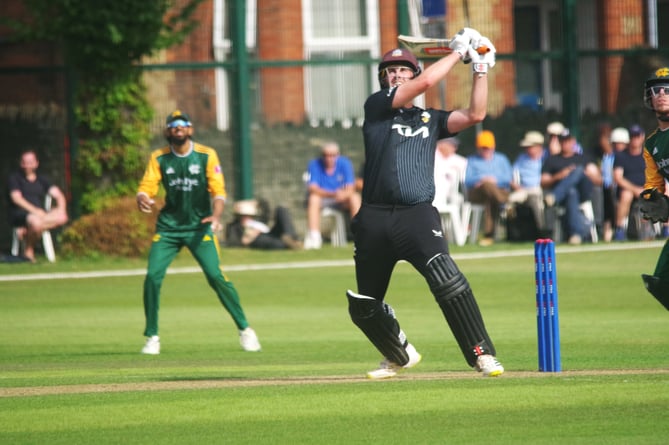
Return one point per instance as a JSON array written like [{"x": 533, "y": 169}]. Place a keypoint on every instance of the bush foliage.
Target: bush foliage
[{"x": 118, "y": 229}]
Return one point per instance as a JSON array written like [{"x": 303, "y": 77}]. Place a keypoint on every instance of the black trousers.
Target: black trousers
[
  {"x": 383, "y": 235},
  {"x": 283, "y": 225}
]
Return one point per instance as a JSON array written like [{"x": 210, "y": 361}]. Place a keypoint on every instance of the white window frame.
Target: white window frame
[{"x": 314, "y": 45}]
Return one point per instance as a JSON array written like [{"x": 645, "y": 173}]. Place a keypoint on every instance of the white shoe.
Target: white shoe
[
  {"x": 152, "y": 345},
  {"x": 388, "y": 369},
  {"x": 489, "y": 366},
  {"x": 249, "y": 340},
  {"x": 313, "y": 240}
]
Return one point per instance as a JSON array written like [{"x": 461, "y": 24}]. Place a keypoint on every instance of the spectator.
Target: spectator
[
  {"x": 568, "y": 179},
  {"x": 526, "y": 182},
  {"x": 330, "y": 183},
  {"x": 488, "y": 181},
  {"x": 618, "y": 139},
  {"x": 449, "y": 170},
  {"x": 553, "y": 131},
  {"x": 247, "y": 230},
  {"x": 629, "y": 174},
  {"x": 27, "y": 192}
]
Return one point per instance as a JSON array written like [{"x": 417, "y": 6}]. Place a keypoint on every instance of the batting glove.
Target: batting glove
[
  {"x": 485, "y": 61},
  {"x": 461, "y": 42}
]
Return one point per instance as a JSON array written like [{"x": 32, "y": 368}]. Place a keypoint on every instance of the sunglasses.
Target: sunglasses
[
  {"x": 178, "y": 123},
  {"x": 656, "y": 89}
]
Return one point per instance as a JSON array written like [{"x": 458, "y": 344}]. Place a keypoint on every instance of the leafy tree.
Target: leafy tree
[{"x": 102, "y": 44}]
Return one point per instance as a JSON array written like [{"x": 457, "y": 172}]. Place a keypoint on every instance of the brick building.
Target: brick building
[
  {"x": 313, "y": 63},
  {"x": 296, "y": 30}
]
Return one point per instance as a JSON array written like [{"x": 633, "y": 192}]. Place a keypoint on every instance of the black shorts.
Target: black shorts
[
  {"x": 384, "y": 235},
  {"x": 18, "y": 218}
]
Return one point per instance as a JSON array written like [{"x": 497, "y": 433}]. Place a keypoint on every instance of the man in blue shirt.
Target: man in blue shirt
[
  {"x": 526, "y": 184},
  {"x": 488, "y": 180},
  {"x": 330, "y": 183}
]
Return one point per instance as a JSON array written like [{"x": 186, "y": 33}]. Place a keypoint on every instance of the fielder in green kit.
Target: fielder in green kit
[
  {"x": 195, "y": 197},
  {"x": 653, "y": 202}
]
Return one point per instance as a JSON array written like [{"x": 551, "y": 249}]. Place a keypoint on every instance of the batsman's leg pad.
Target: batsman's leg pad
[
  {"x": 657, "y": 288},
  {"x": 377, "y": 321},
  {"x": 456, "y": 300}
]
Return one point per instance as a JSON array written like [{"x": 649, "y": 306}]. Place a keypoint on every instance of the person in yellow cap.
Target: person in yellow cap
[
  {"x": 195, "y": 196},
  {"x": 488, "y": 181}
]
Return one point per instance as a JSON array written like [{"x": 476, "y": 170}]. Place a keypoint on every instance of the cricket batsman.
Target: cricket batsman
[
  {"x": 654, "y": 203},
  {"x": 397, "y": 220}
]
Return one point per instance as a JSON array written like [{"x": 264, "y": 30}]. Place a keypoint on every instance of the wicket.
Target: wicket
[{"x": 548, "y": 329}]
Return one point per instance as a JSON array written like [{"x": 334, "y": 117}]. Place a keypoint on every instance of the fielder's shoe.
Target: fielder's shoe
[
  {"x": 249, "y": 340},
  {"x": 152, "y": 345},
  {"x": 388, "y": 369},
  {"x": 489, "y": 366}
]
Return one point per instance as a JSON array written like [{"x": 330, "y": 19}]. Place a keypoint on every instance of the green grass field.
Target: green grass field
[{"x": 71, "y": 372}]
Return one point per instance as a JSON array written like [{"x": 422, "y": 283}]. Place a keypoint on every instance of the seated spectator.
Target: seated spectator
[
  {"x": 247, "y": 230},
  {"x": 330, "y": 183},
  {"x": 629, "y": 174},
  {"x": 449, "y": 170},
  {"x": 27, "y": 192},
  {"x": 488, "y": 180},
  {"x": 568, "y": 179},
  {"x": 553, "y": 131},
  {"x": 618, "y": 139},
  {"x": 526, "y": 182}
]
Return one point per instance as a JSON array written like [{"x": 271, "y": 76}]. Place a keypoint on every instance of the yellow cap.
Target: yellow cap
[{"x": 485, "y": 139}]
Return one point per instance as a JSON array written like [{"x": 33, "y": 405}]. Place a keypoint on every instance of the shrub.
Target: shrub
[{"x": 118, "y": 229}]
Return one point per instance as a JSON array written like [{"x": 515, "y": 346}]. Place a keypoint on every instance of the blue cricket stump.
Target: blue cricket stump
[{"x": 548, "y": 329}]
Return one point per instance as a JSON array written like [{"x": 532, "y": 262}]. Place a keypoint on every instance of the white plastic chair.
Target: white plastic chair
[
  {"x": 47, "y": 240},
  {"x": 452, "y": 213},
  {"x": 338, "y": 236}
]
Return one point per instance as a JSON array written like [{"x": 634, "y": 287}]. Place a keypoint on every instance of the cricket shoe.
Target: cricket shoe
[
  {"x": 388, "y": 369},
  {"x": 152, "y": 346},
  {"x": 249, "y": 340},
  {"x": 489, "y": 366}
]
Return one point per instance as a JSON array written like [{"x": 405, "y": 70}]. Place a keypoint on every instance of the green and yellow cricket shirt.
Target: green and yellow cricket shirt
[{"x": 190, "y": 181}]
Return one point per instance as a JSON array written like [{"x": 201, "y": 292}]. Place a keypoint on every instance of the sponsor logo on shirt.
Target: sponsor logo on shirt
[
  {"x": 183, "y": 184},
  {"x": 407, "y": 131}
]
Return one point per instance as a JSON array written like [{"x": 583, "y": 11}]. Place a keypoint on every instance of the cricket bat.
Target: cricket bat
[
  {"x": 425, "y": 46},
  {"x": 429, "y": 47}
]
